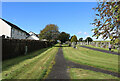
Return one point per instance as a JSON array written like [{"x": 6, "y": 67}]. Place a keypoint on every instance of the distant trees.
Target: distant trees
[
  {"x": 74, "y": 38},
  {"x": 88, "y": 39},
  {"x": 50, "y": 32},
  {"x": 80, "y": 39},
  {"x": 63, "y": 37}
]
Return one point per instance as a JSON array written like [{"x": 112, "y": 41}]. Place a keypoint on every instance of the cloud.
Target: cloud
[
  {"x": 85, "y": 33},
  {"x": 79, "y": 33}
]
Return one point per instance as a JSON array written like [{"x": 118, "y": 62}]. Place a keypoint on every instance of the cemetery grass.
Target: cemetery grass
[
  {"x": 36, "y": 67},
  {"x": 114, "y": 50},
  {"x": 77, "y": 73},
  {"x": 92, "y": 58}
]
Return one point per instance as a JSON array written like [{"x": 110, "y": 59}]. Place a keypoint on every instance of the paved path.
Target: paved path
[
  {"x": 59, "y": 70},
  {"x": 96, "y": 49}
]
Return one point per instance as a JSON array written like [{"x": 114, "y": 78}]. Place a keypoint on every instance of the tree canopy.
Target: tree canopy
[
  {"x": 107, "y": 20},
  {"x": 89, "y": 39},
  {"x": 50, "y": 32},
  {"x": 80, "y": 39},
  {"x": 63, "y": 37},
  {"x": 74, "y": 38}
]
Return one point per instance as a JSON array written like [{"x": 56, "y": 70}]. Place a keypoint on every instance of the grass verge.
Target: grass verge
[
  {"x": 92, "y": 58},
  {"x": 76, "y": 73},
  {"x": 32, "y": 66}
]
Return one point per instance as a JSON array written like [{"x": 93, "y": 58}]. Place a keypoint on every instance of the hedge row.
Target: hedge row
[{"x": 15, "y": 47}]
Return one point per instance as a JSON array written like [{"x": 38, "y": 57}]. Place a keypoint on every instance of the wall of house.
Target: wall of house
[
  {"x": 5, "y": 29},
  {"x": 18, "y": 34},
  {"x": 33, "y": 37}
]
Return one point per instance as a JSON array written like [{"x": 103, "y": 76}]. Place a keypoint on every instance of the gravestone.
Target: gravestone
[
  {"x": 73, "y": 44},
  {"x": 101, "y": 45},
  {"x": 96, "y": 44},
  {"x": 78, "y": 43}
]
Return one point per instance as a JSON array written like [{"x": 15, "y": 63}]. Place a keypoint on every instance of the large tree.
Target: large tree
[
  {"x": 88, "y": 39},
  {"x": 50, "y": 32},
  {"x": 74, "y": 38},
  {"x": 80, "y": 39},
  {"x": 107, "y": 20},
  {"x": 63, "y": 37}
]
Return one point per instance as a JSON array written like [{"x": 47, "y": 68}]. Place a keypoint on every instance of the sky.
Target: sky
[{"x": 71, "y": 17}]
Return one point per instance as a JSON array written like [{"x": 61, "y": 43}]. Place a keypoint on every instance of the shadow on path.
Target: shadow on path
[{"x": 105, "y": 51}]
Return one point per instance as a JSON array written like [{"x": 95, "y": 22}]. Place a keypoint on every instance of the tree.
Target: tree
[
  {"x": 63, "y": 37},
  {"x": 107, "y": 20},
  {"x": 80, "y": 39},
  {"x": 88, "y": 39},
  {"x": 74, "y": 38},
  {"x": 50, "y": 32},
  {"x": 70, "y": 38}
]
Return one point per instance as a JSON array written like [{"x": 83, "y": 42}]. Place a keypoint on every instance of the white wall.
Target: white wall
[
  {"x": 5, "y": 29},
  {"x": 33, "y": 37}
]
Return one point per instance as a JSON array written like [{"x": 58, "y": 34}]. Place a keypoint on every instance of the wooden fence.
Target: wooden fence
[{"x": 14, "y": 47}]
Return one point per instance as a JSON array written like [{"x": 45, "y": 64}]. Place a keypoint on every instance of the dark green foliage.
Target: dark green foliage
[
  {"x": 80, "y": 39},
  {"x": 63, "y": 37},
  {"x": 89, "y": 39}
]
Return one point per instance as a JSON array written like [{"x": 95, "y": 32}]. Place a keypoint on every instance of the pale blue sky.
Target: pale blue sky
[{"x": 71, "y": 17}]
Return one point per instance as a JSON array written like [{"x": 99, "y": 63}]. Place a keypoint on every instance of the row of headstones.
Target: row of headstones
[
  {"x": 101, "y": 44},
  {"x": 97, "y": 44}
]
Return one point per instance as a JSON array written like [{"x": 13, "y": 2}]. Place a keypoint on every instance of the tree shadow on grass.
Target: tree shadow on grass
[{"x": 6, "y": 64}]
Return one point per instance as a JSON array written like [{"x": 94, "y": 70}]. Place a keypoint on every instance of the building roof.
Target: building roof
[
  {"x": 14, "y": 26},
  {"x": 34, "y": 34}
]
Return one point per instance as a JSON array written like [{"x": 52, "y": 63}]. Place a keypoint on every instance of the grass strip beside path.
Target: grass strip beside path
[
  {"x": 30, "y": 68},
  {"x": 92, "y": 58},
  {"x": 76, "y": 73}
]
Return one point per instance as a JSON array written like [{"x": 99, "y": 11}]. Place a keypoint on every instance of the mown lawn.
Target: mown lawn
[
  {"x": 32, "y": 66},
  {"x": 114, "y": 50},
  {"x": 92, "y": 58},
  {"x": 76, "y": 73}
]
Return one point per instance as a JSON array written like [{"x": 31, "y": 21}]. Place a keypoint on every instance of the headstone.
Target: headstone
[
  {"x": 96, "y": 44},
  {"x": 101, "y": 45},
  {"x": 73, "y": 44},
  {"x": 87, "y": 43}
]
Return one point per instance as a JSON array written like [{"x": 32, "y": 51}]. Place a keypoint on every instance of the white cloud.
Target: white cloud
[
  {"x": 79, "y": 33},
  {"x": 85, "y": 33}
]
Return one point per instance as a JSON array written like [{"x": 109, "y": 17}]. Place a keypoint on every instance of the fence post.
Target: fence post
[{"x": 26, "y": 50}]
